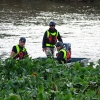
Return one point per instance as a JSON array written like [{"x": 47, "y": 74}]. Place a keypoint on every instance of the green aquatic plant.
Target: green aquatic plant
[{"x": 38, "y": 79}]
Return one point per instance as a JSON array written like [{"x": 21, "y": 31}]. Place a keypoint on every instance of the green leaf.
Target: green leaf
[
  {"x": 68, "y": 97},
  {"x": 1, "y": 98},
  {"x": 41, "y": 88},
  {"x": 13, "y": 97}
]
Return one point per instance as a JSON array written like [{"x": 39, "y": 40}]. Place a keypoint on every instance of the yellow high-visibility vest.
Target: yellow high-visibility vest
[
  {"x": 65, "y": 53},
  {"x": 18, "y": 50},
  {"x": 53, "y": 34}
]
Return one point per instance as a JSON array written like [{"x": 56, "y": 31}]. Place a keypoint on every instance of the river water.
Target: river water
[{"x": 78, "y": 24}]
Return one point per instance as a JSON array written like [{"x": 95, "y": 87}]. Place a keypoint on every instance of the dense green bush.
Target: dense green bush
[{"x": 39, "y": 79}]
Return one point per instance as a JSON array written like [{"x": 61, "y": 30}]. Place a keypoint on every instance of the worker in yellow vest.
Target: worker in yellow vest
[
  {"x": 19, "y": 51},
  {"x": 50, "y": 38},
  {"x": 62, "y": 53}
]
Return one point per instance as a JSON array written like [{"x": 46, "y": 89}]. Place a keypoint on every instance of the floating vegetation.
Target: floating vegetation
[{"x": 35, "y": 79}]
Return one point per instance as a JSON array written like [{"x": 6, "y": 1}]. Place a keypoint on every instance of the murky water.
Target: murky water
[{"x": 78, "y": 24}]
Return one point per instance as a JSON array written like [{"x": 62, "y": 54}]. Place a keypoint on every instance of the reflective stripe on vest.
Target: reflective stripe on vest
[
  {"x": 50, "y": 45},
  {"x": 53, "y": 34},
  {"x": 65, "y": 53}
]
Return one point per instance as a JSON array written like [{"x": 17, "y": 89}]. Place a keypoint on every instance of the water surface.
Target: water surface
[{"x": 78, "y": 24}]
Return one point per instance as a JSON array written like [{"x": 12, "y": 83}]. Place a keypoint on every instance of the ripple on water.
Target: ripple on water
[{"x": 77, "y": 24}]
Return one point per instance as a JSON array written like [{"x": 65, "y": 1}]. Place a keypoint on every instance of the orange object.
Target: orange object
[{"x": 68, "y": 55}]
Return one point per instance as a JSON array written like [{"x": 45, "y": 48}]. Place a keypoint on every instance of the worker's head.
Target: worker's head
[
  {"x": 22, "y": 41},
  {"x": 59, "y": 45},
  {"x": 52, "y": 24}
]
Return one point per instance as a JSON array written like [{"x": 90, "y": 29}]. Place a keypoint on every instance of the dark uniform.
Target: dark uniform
[
  {"x": 53, "y": 39},
  {"x": 50, "y": 38}
]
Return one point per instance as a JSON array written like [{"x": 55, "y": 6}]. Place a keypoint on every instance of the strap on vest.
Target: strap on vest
[{"x": 17, "y": 48}]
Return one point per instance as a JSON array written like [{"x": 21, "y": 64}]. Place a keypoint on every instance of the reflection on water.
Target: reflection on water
[{"x": 77, "y": 23}]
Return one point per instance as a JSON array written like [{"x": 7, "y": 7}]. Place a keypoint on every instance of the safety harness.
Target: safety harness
[
  {"x": 51, "y": 39},
  {"x": 20, "y": 53}
]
